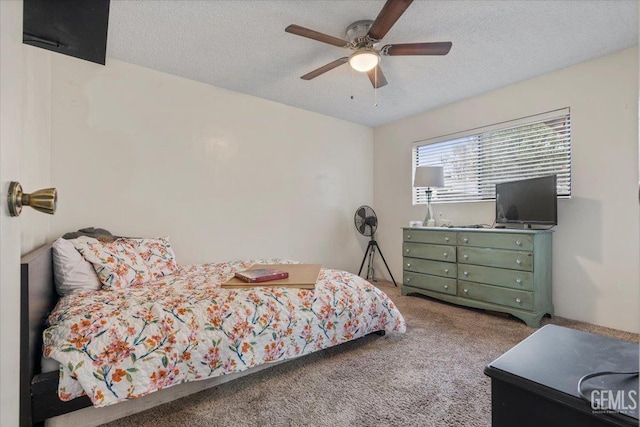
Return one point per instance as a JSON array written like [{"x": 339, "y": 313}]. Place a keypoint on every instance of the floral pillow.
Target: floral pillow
[
  {"x": 117, "y": 263},
  {"x": 157, "y": 255}
]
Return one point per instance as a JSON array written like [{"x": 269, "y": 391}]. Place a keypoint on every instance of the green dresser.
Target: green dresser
[{"x": 500, "y": 270}]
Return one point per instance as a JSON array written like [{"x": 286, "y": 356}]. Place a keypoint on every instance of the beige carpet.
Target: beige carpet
[{"x": 430, "y": 376}]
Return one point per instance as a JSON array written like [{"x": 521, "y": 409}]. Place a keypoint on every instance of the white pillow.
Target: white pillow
[{"x": 72, "y": 274}]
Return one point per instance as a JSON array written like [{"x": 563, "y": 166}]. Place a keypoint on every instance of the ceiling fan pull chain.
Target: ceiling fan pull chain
[
  {"x": 352, "y": 83},
  {"x": 375, "y": 87}
]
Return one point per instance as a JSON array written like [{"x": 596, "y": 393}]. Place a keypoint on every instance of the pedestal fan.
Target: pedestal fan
[{"x": 366, "y": 223}]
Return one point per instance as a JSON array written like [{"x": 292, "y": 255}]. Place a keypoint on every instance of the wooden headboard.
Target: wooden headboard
[
  {"x": 37, "y": 298},
  {"x": 38, "y": 391}
]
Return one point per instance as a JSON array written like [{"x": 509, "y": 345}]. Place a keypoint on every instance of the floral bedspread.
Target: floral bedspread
[{"x": 122, "y": 344}]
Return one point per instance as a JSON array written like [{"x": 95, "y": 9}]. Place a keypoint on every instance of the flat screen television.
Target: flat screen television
[{"x": 527, "y": 202}]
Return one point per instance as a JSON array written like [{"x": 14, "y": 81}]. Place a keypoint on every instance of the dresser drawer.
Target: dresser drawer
[
  {"x": 497, "y": 240},
  {"x": 434, "y": 252},
  {"x": 444, "y": 237},
  {"x": 497, "y": 295},
  {"x": 515, "y": 279},
  {"x": 437, "y": 268},
  {"x": 430, "y": 283},
  {"x": 516, "y": 260}
]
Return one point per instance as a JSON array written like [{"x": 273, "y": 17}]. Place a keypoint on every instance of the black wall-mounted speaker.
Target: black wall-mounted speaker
[{"x": 72, "y": 27}]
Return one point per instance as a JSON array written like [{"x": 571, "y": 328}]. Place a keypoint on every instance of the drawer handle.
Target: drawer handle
[
  {"x": 446, "y": 286},
  {"x": 518, "y": 261},
  {"x": 465, "y": 240},
  {"x": 446, "y": 270},
  {"x": 466, "y": 273},
  {"x": 465, "y": 256},
  {"x": 407, "y": 250},
  {"x": 518, "y": 242},
  {"x": 518, "y": 300},
  {"x": 446, "y": 239},
  {"x": 519, "y": 281},
  {"x": 408, "y": 236},
  {"x": 445, "y": 254},
  {"x": 408, "y": 279},
  {"x": 466, "y": 291},
  {"x": 408, "y": 264}
]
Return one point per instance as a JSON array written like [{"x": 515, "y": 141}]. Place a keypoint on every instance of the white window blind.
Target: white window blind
[{"x": 474, "y": 161}]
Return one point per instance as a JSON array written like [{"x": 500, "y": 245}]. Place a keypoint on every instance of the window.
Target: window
[{"x": 476, "y": 160}]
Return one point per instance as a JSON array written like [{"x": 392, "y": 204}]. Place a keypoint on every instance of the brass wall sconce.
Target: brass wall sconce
[{"x": 44, "y": 200}]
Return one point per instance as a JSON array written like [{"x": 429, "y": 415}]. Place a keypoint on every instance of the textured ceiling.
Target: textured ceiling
[{"x": 242, "y": 46}]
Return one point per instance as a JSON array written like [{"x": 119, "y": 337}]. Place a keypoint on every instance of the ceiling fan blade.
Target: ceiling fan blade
[
  {"x": 438, "y": 48},
  {"x": 377, "y": 77},
  {"x": 388, "y": 16},
  {"x": 305, "y": 32},
  {"x": 330, "y": 66}
]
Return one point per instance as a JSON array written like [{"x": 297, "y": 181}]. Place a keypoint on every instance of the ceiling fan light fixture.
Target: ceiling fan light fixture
[{"x": 364, "y": 60}]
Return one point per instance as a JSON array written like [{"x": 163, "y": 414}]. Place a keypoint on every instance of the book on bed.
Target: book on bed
[
  {"x": 303, "y": 276},
  {"x": 261, "y": 275}
]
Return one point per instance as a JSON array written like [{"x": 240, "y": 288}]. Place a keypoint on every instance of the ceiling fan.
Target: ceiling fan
[{"x": 364, "y": 37}]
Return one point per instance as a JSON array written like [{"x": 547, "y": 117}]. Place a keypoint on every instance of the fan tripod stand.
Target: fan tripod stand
[{"x": 371, "y": 249}]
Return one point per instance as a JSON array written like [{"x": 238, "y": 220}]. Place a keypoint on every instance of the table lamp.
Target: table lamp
[{"x": 428, "y": 177}]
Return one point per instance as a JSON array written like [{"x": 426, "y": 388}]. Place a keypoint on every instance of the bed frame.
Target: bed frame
[{"x": 39, "y": 391}]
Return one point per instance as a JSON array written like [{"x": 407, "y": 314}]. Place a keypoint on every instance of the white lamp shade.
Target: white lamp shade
[
  {"x": 429, "y": 176},
  {"x": 364, "y": 60}
]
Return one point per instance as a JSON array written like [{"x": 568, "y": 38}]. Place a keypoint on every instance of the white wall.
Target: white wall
[
  {"x": 225, "y": 175},
  {"x": 35, "y": 162},
  {"x": 596, "y": 244}
]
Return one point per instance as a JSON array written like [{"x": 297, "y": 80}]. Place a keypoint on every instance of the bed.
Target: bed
[{"x": 177, "y": 335}]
